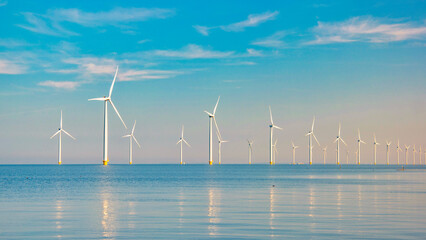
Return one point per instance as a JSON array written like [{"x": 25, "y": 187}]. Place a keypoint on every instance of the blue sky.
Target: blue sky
[{"x": 361, "y": 63}]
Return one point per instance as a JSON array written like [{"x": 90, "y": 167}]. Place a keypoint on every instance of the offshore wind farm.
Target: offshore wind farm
[{"x": 219, "y": 120}]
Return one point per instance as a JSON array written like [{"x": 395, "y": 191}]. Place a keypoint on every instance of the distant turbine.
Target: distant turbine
[
  {"x": 387, "y": 151},
  {"x": 324, "y": 150},
  {"x": 60, "y": 131},
  {"x": 181, "y": 141},
  {"x": 398, "y": 149},
  {"x": 406, "y": 154},
  {"x": 375, "y": 146},
  {"x": 414, "y": 154},
  {"x": 420, "y": 155},
  {"x": 271, "y": 133},
  {"x": 220, "y": 141},
  {"x": 356, "y": 156},
  {"x": 311, "y": 134},
  {"x": 250, "y": 150},
  {"x": 275, "y": 149},
  {"x": 105, "y": 159},
  {"x": 338, "y": 139},
  {"x": 347, "y": 156},
  {"x": 211, "y": 119},
  {"x": 294, "y": 152},
  {"x": 359, "y": 147},
  {"x": 131, "y": 137}
]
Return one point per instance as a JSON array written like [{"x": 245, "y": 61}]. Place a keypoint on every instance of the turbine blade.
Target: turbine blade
[
  {"x": 211, "y": 115},
  {"x": 133, "y": 129},
  {"x": 186, "y": 142},
  {"x": 335, "y": 140},
  {"x": 55, "y": 134},
  {"x": 128, "y": 135},
  {"x": 67, "y": 133},
  {"x": 308, "y": 134},
  {"x": 270, "y": 115},
  {"x": 112, "y": 104},
  {"x": 362, "y": 142},
  {"x": 97, "y": 99},
  {"x": 274, "y": 126},
  {"x": 339, "y": 129},
  {"x": 113, "y": 81},
  {"x": 217, "y": 129},
  {"x": 343, "y": 141},
  {"x": 215, "y": 107},
  {"x": 136, "y": 141},
  {"x": 180, "y": 140},
  {"x": 182, "y": 131},
  {"x": 316, "y": 139}
]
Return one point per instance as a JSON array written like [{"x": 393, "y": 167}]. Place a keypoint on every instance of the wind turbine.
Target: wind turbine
[
  {"x": 324, "y": 150},
  {"x": 414, "y": 154},
  {"x": 131, "y": 137},
  {"x": 60, "y": 131},
  {"x": 359, "y": 147},
  {"x": 211, "y": 118},
  {"x": 181, "y": 141},
  {"x": 406, "y": 154},
  {"x": 250, "y": 149},
  {"x": 294, "y": 152},
  {"x": 311, "y": 134},
  {"x": 387, "y": 151},
  {"x": 275, "y": 149},
  {"x": 375, "y": 146},
  {"x": 420, "y": 155},
  {"x": 220, "y": 141},
  {"x": 398, "y": 149},
  {"x": 105, "y": 159},
  {"x": 347, "y": 156},
  {"x": 271, "y": 133},
  {"x": 338, "y": 139}
]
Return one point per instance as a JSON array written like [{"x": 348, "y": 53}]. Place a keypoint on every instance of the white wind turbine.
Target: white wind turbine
[
  {"x": 271, "y": 133},
  {"x": 105, "y": 159},
  {"x": 420, "y": 155},
  {"x": 387, "y": 151},
  {"x": 398, "y": 149},
  {"x": 414, "y": 154},
  {"x": 375, "y": 146},
  {"x": 311, "y": 134},
  {"x": 181, "y": 141},
  {"x": 60, "y": 131},
  {"x": 338, "y": 139},
  {"x": 250, "y": 150},
  {"x": 324, "y": 151},
  {"x": 359, "y": 147},
  {"x": 131, "y": 136},
  {"x": 220, "y": 141},
  {"x": 211, "y": 119},
  {"x": 406, "y": 154},
  {"x": 294, "y": 152}
]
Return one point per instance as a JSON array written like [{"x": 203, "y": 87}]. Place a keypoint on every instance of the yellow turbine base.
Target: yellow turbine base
[
  {"x": 105, "y": 162},
  {"x": 130, "y": 163},
  {"x": 59, "y": 163},
  {"x": 210, "y": 162},
  {"x": 310, "y": 163}
]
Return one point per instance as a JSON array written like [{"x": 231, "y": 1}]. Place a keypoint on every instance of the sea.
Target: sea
[{"x": 212, "y": 202}]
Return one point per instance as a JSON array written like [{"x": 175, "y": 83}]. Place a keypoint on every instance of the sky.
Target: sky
[{"x": 358, "y": 63}]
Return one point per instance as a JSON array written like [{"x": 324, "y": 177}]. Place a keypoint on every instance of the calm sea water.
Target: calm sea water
[{"x": 219, "y": 201}]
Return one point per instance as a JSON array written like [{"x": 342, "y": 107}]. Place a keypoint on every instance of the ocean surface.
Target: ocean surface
[{"x": 219, "y": 201}]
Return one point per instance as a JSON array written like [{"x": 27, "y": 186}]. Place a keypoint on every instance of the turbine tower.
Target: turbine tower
[
  {"x": 398, "y": 149},
  {"x": 131, "y": 137},
  {"x": 375, "y": 146},
  {"x": 338, "y": 139},
  {"x": 275, "y": 149},
  {"x": 60, "y": 131},
  {"x": 220, "y": 141},
  {"x": 105, "y": 159},
  {"x": 387, "y": 151},
  {"x": 414, "y": 154},
  {"x": 250, "y": 150},
  {"x": 181, "y": 141},
  {"x": 294, "y": 152},
  {"x": 406, "y": 154},
  {"x": 420, "y": 155},
  {"x": 359, "y": 147},
  {"x": 271, "y": 133},
  {"x": 211, "y": 119},
  {"x": 311, "y": 134},
  {"x": 324, "y": 150}
]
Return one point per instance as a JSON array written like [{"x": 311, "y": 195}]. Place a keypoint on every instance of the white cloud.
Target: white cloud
[
  {"x": 8, "y": 67},
  {"x": 273, "y": 41},
  {"x": 50, "y": 23},
  {"x": 3, "y": 3},
  {"x": 143, "y": 41},
  {"x": 252, "y": 20},
  {"x": 93, "y": 65},
  {"x": 67, "y": 85},
  {"x": 254, "y": 52},
  {"x": 192, "y": 51},
  {"x": 13, "y": 43},
  {"x": 135, "y": 75},
  {"x": 366, "y": 29}
]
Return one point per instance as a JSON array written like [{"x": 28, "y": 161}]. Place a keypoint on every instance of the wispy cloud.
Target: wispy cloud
[
  {"x": 143, "y": 41},
  {"x": 13, "y": 43},
  {"x": 252, "y": 20},
  {"x": 50, "y": 23},
  {"x": 93, "y": 65},
  {"x": 137, "y": 75},
  {"x": 192, "y": 51},
  {"x": 273, "y": 41},
  {"x": 366, "y": 29},
  {"x": 9, "y": 67},
  {"x": 3, "y": 3},
  {"x": 67, "y": 85}
]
